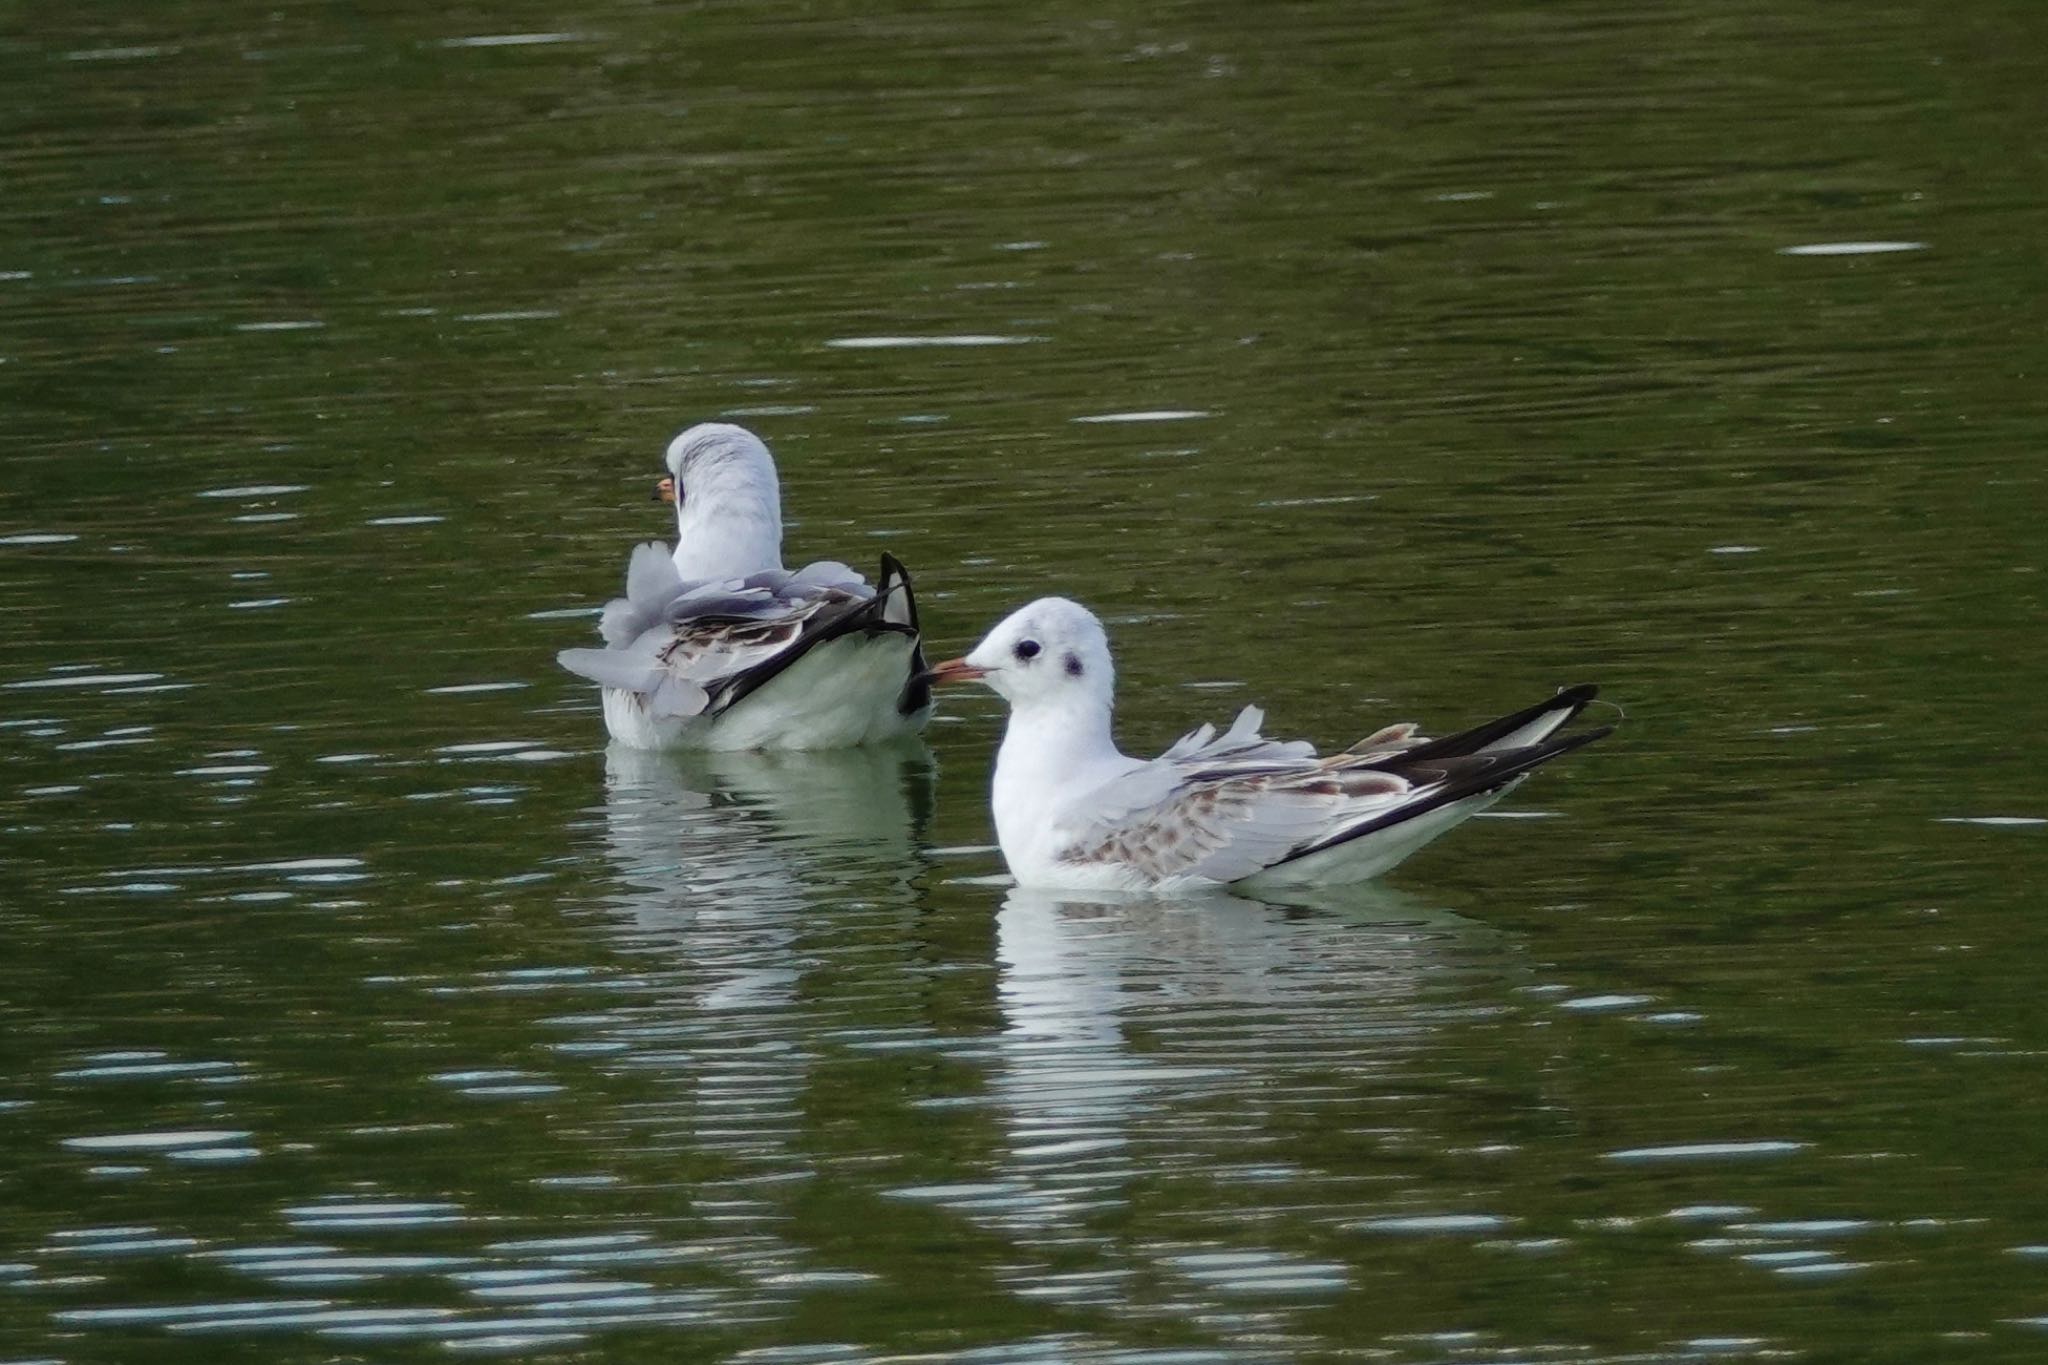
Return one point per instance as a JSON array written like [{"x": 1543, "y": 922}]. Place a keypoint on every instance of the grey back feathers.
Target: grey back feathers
[
  {"x": 680, "y": 646},
  {"x": 1240, "y": 742}
]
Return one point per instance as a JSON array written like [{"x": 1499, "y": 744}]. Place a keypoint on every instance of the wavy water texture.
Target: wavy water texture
[{"x": 1364, "y": 362}]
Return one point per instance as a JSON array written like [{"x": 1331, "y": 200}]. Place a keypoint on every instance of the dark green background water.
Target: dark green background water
[{"x": 353, "y": 1007}]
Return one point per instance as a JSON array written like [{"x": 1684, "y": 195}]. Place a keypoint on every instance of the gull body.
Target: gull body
[
  {"x": 1072, "y": 810},
  {"x": 716, "y": 646}
]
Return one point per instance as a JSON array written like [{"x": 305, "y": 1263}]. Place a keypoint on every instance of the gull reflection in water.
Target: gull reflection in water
[
  {"x": 726, "y": 854},
  {"x": 725, "y": 868},
  {"x": 718, "y": 837},
  {"x": 1149, "y": 1040}
]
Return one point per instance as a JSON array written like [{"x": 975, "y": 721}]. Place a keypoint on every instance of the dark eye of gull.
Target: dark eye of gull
[{"x": 1027, "y": 649}]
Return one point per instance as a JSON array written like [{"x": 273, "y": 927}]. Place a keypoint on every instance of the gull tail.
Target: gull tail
[
  {"x": 1518, "y": 730},
  {"x": 1450, "y": 788}
]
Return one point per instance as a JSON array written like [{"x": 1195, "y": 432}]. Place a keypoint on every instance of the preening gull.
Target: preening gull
[
  {"x": 1236, "y": 808},
  {"x": 717, "y": 646}
]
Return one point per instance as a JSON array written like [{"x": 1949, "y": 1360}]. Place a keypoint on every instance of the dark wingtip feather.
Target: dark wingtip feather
[
  {"x": 917, "y": 689},
  {"x": 1577, "y": 739},
  {"x": 892, "y": 579},
  {"x": 1570, "y": 700},
  {"x": 1457, "y": 777},
  {"x": 868, "y": 617}
]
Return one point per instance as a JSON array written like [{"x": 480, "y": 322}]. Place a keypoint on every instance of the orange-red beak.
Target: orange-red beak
[
  {"x": 665, "y": 488},
  {"x": 953, "y": 670}
]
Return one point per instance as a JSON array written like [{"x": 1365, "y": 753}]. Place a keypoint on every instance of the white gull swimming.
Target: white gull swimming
[
  {"x": 1072, "y": 810},
  {"x": 717, "y": 646}
]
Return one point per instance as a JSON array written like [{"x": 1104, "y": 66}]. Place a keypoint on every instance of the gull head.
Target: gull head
[
  {"x": 1050, "y": 653},
  {"x": 721, "y": 479}
]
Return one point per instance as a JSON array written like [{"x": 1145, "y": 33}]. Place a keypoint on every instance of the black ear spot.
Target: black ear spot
[{"x": 1072, "y": 663}]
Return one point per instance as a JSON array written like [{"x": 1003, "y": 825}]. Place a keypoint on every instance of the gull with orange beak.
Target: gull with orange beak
[
  {"x": 715, "y": 645},
  {"x": 1072, "y": 810}
]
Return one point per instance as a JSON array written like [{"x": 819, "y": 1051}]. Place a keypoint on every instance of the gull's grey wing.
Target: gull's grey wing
[
  {"x": 668, "y": 690},
  {"x": 706, "y": 640},
  {"x": 830, "y": 573},
  {"x": 1225, "y": 808},
  {"x": 707, "y": 645},
  {"x": 890, "y": 608},
  {"x": 656, "y": 593},
  {"x": 1202, "y": 748},
  {"x": 651, "y": 582}
]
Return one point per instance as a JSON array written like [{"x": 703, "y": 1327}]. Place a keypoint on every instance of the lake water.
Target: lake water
[{"x": 1366, "y": 362}]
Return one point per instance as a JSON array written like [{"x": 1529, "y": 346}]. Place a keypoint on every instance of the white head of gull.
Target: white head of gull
[
  {"x": 715, "y": 645},
  {"x": 1072, "y": 810},
  {"x": 728, "y": 503},
  {"x": 1050, "y": 658}
]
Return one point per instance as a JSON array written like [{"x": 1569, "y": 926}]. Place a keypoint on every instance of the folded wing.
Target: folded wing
[
  {"x": 695, "y": 649},
  {"x": 1222, "y": 808}
]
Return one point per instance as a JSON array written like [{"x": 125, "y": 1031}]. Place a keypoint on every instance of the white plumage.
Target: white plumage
[
  {"x": 1071, "y": 810},
  {"x": 715, "y": 645}
]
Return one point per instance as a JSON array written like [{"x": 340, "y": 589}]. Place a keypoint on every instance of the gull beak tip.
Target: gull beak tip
[
  {"x": 665, "y": 489},
  {"x": 952, "y": 670}
]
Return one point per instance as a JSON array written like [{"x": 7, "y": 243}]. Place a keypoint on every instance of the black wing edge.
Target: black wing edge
[
  {"x": 870, "y": 618},
  {"x": 917, "y": 689},
  {"x": 1571, "y": 700},
  {"x": 1460, "y": 776}
]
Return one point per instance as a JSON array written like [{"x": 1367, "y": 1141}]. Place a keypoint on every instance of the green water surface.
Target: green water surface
[{"x": 1367, "y": 362}]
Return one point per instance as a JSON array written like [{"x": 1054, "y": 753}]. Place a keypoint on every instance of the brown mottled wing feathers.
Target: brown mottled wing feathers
[{"x": 1223, "y": 827}]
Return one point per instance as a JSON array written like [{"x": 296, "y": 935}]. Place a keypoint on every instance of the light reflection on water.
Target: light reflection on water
[
  {"x": 720, "y": 870},
  {"x": 1358, "y": 365},
  {"x": 764, "y": 1037}
]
